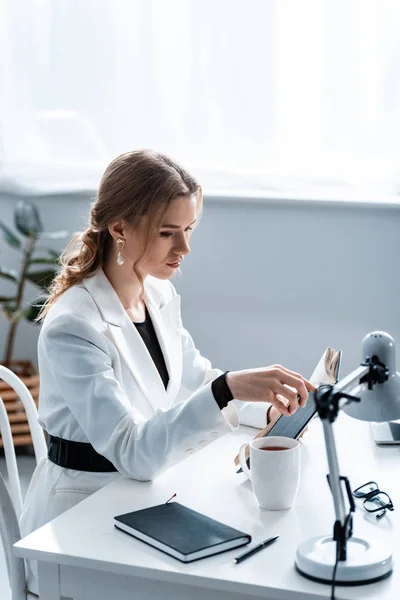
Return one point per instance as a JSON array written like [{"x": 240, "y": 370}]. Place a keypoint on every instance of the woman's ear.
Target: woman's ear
[{"x": 117, "y": 229}]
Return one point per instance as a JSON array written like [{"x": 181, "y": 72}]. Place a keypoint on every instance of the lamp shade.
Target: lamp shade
[{"x": 382, "y": 403}]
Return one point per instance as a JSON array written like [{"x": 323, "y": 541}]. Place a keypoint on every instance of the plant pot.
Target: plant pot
[{"x": 27, "y": 372}]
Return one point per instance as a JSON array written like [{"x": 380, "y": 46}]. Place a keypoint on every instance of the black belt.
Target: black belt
[{"x": 78, "y": 456}]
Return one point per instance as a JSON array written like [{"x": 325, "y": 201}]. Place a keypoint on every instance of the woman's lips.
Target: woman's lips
[{"x": 174, "y": 265}]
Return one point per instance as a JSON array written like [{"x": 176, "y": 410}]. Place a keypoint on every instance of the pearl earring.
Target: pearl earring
[{"x": 120, "y": 245}]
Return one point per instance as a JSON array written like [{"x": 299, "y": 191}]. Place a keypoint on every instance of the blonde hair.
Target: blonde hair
[{"x": 136, "y": 184}]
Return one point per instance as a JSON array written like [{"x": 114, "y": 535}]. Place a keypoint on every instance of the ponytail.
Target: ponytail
[{"x": 81, "y": 258}]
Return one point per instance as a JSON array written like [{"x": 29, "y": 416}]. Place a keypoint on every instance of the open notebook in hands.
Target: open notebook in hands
[{"x": 326, "y": 372}]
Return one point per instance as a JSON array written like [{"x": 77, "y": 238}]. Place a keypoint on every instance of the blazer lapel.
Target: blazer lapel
[
  {"x": 130, "y": 344},
  {"x": 135, "y": 354},
  {"x": 167, "y": 325}
]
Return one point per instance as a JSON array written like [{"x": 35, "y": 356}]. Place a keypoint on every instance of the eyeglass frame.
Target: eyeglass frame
[{"x": 369, "y": 495}]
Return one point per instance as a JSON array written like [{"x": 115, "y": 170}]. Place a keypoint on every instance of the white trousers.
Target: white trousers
[{"x": 52, "y": 491}]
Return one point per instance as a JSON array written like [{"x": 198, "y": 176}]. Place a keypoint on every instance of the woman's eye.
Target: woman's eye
[{"x": 166, "y": 234}]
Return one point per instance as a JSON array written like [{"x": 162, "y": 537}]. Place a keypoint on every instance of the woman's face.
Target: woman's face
[{"x": 171, "y": 243}]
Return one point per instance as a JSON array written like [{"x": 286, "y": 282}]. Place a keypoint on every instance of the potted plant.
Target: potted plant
[{"x": 38, "y": 265}]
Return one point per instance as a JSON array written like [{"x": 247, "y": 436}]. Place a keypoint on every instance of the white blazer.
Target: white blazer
[{"x": 99, "y": 384}]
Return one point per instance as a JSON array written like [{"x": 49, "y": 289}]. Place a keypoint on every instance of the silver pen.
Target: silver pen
[{"x": 264, "y": 544}]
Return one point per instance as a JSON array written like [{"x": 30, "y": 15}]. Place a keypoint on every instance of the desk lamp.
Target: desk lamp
[{"x": 369, "y": 393}]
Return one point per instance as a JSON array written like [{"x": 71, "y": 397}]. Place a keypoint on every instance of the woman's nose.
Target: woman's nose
[{"x": 182, "y": 247}]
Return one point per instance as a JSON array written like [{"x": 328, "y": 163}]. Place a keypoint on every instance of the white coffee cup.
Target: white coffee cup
[{"x": 275, "y": 474}]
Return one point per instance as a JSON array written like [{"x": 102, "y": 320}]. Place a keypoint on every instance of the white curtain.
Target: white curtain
[{"x": 251, "y": 93}]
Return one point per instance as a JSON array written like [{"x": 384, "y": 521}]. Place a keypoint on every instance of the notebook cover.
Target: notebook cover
[{"x": 181, "y": 528}]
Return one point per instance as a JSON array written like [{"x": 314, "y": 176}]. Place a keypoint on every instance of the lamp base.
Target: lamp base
[{"x": 366, "y": 562}]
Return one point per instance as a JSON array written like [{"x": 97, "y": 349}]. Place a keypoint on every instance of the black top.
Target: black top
[
  {"x": 146, "y": 330},
  {"x": 220, "y": 388}
]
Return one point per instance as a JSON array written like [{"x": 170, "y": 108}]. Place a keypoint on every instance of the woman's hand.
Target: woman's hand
[
  {"x": 275, "y": 384},
  {"x": 273, "y": 415}
]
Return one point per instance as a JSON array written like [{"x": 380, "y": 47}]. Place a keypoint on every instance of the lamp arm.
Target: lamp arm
[
  {"x": 353, "y": 383},
  {"x": 334, "y": 474},
  {"x": 369, "y": 373},
  {"x": 329, "y": 400}
]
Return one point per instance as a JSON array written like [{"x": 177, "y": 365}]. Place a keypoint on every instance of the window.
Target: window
[{"x": 263, "y": 93}]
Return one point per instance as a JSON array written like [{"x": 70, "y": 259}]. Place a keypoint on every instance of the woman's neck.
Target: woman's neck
[{"x": 126, "y": 284}]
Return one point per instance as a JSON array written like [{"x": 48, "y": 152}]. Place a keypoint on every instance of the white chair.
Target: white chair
[
  {"x": 10, "y": 533},
  {"x": 11, "y": 501}
]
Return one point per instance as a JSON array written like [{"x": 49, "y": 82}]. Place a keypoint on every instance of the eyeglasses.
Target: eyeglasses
[{"x": 375, "y": 501}]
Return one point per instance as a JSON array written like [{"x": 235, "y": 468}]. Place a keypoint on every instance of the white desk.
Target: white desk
[{"x": 83, "y": 556}]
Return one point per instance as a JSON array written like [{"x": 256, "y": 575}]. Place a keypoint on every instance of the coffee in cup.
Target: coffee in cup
[{"x": 274, "y": 448}]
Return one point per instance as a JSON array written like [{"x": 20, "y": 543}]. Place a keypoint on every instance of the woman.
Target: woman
[{"x": 123, "y": 389}]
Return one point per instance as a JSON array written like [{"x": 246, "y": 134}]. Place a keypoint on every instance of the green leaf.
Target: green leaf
[
  {"x": 10, "y": 274},
  {"x": 41, "y": 278},
  {"x": 27, "y": 219},
  {"x": 34, "y": 309},
  {"x": 9, "y": 236}
]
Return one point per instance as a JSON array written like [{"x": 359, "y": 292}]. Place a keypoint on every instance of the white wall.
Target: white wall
[{"x": 268, "y": 282}]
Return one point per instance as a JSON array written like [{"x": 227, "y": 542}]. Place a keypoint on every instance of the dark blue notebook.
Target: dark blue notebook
[{"x": 180, "y": 531}]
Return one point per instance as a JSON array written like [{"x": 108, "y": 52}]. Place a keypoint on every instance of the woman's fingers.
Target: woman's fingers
[
  {"x": 280, "y": 406},
  {"x": 290, "y": 397},
  {"x": 297, "y": 383},
  {"x": 286, "y": 390},
  {"x": 310, "y": 387}
]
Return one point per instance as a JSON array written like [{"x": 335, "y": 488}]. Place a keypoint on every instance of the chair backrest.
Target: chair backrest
[
  {"x": 10, "y": 534},
  {"x": 38, "y": 439}
]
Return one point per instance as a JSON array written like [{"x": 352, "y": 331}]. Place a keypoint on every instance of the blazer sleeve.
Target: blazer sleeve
[
  {"x": 197, "y": 372},
  {"x": 81, "y": 367}
]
